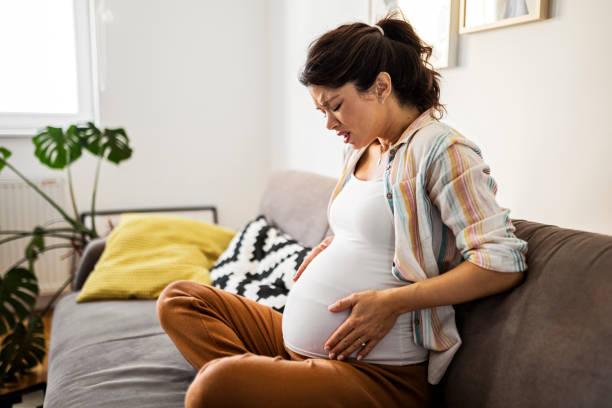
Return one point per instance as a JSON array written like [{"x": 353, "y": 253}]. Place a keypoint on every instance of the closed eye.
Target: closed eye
[{"x": 337, "y": 107}]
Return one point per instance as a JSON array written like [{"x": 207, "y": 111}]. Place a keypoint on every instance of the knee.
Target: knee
[
  {"x": 178, "y": 297},
  {"x": 213, "y": 383},
  {"x": 221, "y": 383},
  {"x": 172, "y": 297}
]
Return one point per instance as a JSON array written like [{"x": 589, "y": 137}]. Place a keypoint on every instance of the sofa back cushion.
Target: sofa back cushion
[
  {"x": 296, "y": 203},
  {"x": 545, "y": 343}
]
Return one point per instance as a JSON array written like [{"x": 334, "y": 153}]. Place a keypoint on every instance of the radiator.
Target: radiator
[{"x": 22, "y": 209}]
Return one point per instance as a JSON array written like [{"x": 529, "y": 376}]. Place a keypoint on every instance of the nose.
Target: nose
[{"x": 331, "y": 122}]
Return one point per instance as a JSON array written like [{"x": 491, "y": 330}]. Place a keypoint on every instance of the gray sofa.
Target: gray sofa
[{"x": 543, "y": 344}]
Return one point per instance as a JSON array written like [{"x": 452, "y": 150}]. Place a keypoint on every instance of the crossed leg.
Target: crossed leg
[{"x": 237, "y": 346}]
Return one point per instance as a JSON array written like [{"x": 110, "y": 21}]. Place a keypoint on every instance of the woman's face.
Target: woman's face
[{"x": 354, "y": 116}]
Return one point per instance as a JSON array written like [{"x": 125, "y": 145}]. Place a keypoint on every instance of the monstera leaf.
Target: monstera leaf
[
  {"x": 56, "y": 148},
  {"x": 23, "y": 349},
  {"x": 92, "y": 137},
  {"x": 112, "y": 144},
  {"x": 18, "y": 290},
  {"x": 4, "y": 154}
]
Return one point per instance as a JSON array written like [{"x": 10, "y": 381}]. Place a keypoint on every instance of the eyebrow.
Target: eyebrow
[{"x": 326, "y": 103}]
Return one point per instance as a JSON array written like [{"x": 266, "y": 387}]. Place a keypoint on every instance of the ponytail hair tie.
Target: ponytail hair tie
[{"x": 379, "y": 29}]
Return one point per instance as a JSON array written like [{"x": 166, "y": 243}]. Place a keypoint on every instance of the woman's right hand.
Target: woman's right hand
[{"x": 316, "y": 251}]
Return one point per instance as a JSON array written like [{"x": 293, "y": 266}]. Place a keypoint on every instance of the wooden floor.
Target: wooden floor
[{"x": 39, "y": 373}]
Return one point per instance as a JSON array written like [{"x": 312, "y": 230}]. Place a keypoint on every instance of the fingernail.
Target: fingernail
[
  {"x": 359, "y": 357},
  {"x": 331, "y": 356},
  {"x": 326, "y": 348},
  {"x": 340, "y": 357}
]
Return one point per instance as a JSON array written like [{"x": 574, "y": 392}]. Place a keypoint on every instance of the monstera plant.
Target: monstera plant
[{"x": 23, "y": 344}]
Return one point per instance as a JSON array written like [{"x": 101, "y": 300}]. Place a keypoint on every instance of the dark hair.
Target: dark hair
[{"x": 358, "y": 52}]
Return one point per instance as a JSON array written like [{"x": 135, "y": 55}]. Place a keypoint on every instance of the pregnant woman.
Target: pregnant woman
[{"x": 369, "y": 321}]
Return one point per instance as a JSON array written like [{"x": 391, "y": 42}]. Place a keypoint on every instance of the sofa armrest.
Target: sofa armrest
[{"x": 91, "y": 254}]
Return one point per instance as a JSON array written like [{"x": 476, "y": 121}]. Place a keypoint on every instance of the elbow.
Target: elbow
[
  {"x": 509, "y": 280},
  {"x": 497, "y": 282}
]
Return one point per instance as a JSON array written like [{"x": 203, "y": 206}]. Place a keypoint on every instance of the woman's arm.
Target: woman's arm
[
  {"x": 374, "y": 312},
  {"x": 463, "y": 283},
  {"x": 461, "y": 187}
]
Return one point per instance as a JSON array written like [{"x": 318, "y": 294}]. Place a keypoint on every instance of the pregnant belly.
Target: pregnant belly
[
  {"x": 307, "y": 323},
  {"x": 334, "y": 274}
]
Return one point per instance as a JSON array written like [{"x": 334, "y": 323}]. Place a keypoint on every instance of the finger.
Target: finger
[
  {"x": 301, "y": 269},
  {"x": 351, "y": 348},
  {"x": 315, "y": 251},
  {"x": 341, "y": 333},
  {"x": 343, "y": 304},
  {"x": 297, "y": 274},
  {"x": 306, "y": 262},
  {"x": 343, "y": 346},
  {"x": 328, "y": 240},
  {"x": 367, "y": 349}
]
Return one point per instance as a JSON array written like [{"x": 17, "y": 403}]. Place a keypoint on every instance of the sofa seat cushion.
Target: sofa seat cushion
[{"x": 113, "y": 354}]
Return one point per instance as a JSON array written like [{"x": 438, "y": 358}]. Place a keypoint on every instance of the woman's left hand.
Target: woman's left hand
[{"x": 370, "y": 319}]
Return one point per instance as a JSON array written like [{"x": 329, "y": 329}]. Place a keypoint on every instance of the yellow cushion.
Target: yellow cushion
[{"x": 145, "y": 253}]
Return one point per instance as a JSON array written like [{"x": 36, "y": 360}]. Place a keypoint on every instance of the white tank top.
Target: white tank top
[{"x": 359, "y": 258}]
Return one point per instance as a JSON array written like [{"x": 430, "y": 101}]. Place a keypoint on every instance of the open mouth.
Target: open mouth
[{"x": 346, "y": 135}]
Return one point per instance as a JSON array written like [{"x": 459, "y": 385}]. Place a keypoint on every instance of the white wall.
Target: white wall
[
  {"x": 534, "y": 97},
  {"x": 298, "y": 137},
  {"x": 208, "y": 92},
  {"x": 187, "y": 80}
]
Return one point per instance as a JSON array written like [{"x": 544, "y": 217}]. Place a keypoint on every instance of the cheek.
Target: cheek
[
  {"x": 362, "y": 123},
  {"x": 351, "y": 117}
]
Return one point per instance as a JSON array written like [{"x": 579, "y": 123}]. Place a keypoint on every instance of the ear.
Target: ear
[{"x": 382, "y": 86}]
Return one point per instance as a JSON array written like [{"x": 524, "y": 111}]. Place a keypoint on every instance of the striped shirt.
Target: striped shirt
[{"x": 442, "y": 197}]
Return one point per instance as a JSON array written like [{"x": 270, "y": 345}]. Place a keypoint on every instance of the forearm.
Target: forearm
[{"x": 461, "y": 284}]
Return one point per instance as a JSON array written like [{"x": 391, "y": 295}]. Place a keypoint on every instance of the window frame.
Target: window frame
[{"x": 29, "y": 124}]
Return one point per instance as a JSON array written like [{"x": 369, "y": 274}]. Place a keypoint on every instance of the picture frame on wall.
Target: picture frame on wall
[
  {"x": 481, "y": 15},
  {"x": 435, "y": 21}
]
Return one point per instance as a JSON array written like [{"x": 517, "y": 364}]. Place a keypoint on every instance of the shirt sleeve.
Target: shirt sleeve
[{"x": 461, "y": 186}]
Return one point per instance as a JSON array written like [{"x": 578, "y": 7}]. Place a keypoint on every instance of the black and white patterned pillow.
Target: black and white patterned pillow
[{"x": 259, "y": 264}]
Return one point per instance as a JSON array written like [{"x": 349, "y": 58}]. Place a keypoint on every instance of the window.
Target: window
[{"x": 46, "y": 65}]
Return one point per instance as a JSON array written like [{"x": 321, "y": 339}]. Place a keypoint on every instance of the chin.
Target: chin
[{"x": 357, "y": 146}]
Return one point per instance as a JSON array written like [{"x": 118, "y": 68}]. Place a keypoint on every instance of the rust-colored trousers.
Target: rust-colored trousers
[{"x": 237, "y": 346}]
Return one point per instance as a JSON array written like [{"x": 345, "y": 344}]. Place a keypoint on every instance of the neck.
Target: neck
[{"x": 400, "y": 118}]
